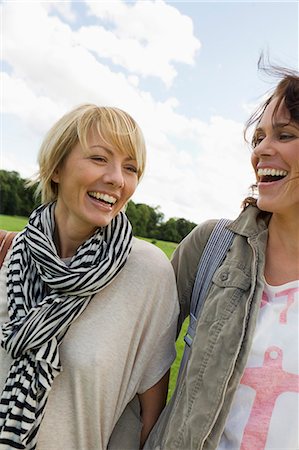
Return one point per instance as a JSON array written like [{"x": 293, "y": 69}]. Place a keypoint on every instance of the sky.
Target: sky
[{"x": 185, "y": 70}]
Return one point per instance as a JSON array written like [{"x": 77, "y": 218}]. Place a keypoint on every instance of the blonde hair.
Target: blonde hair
[{"x": 116, "y": 127}]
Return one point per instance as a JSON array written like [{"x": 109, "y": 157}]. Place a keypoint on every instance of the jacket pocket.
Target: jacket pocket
[
  {"x": 228, "y": 276},
  {"x": 227, "y": 294}
]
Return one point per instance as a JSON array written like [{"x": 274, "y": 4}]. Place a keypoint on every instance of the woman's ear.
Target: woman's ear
[{"x": 55, "y": 176}]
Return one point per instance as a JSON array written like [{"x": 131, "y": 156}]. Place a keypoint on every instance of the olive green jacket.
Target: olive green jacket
[{"x": 195, "y": 416}]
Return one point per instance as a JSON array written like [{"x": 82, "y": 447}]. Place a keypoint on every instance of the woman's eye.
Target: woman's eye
[
  {"x": 132, "y": 169},
  {"x": 285, "y": 136},
  {"x": 257, "y": 140},
  {"x": 98, "y": 158}
]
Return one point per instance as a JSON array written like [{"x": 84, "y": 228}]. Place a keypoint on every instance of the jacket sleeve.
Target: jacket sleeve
[{"x": 185, "y": 262}]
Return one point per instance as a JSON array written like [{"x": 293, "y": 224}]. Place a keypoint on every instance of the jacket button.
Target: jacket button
[{"x": 224, "y": 276}]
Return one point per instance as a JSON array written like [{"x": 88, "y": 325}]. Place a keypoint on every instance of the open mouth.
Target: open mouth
[
  {"x": 269, "y": 175},
  {"x": 103, "y": 198}
]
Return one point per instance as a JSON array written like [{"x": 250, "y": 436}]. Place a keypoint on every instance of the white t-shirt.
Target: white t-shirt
[
  {"x": 122, "y": 344},
  {"x": 265, "y": 410}
]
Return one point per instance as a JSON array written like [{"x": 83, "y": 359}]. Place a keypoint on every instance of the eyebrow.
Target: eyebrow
[
  {"x": 275, "y": 125},
  {"x": 101, "y": 146},
  {"x": 128, "y": 158}
]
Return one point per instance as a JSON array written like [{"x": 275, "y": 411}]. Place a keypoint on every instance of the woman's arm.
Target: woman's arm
[{"x": 152, "y": 402}]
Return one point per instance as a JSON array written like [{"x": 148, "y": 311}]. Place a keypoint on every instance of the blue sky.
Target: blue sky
[{"x": 186, "y": 71}]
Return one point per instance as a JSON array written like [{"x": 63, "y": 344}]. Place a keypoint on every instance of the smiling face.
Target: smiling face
[
  {"x": 275, "y": 160},
  {"x": 94, "y": 183}
]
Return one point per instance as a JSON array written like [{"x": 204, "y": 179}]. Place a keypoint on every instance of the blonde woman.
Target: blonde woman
[{"x": 87, "y": 312}]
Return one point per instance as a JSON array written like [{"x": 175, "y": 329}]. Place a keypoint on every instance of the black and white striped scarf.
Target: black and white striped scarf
[{"x": 44, "y": 297}]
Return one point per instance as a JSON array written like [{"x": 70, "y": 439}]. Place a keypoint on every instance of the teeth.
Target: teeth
[
  {"x": 272, "y": 172},
  {"x": 105, "y": 197}
]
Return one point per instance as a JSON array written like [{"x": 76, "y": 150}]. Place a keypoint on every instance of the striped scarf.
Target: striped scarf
[{"x": 44, "y": 297}]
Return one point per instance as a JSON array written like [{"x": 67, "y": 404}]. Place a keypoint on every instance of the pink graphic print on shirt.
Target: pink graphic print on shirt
[
  {"x": 269, "y": 381},
  {"x": 290, "y": 293},
  {"x": 265, "y": 299}
]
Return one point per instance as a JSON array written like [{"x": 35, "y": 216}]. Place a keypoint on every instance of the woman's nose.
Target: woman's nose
[
  {"x": 115, "y": 176},
  {"x": 265, "y": 148}
]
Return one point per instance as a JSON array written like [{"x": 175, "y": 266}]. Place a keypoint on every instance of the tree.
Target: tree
[
  {"x": 168, "y": 231},
  {"x": 16, "y": 199},
  {"x": 155, "y": 218},
  {"x": 145, "y": 219},
  {"x": 184, "y": 227},
  {"x": 175, "y": 230},
  {"x": 132, "y": 213}
]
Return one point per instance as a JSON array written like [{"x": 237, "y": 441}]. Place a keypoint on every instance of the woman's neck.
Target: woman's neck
[
  {"x": 282, "y": 253},
  {"x": 67, "y": 243}
]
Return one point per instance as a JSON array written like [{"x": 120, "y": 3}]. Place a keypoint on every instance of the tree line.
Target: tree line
[{"x": 18, "y": 200}]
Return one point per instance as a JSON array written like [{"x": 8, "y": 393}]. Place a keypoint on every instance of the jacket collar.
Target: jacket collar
[{"x": 250, "y": 222}]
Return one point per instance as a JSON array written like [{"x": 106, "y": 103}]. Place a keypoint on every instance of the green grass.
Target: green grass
[
  {"x": 167, "y": 247},
  {"x": 16, "y": 223},
  {"x": 180, "y": 344},
  {"x": 12, "y": 223}
]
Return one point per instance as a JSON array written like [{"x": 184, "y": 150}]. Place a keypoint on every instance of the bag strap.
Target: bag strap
[
  {"x": 6, "y": 238},
  {"x": 213, "y": 254}
]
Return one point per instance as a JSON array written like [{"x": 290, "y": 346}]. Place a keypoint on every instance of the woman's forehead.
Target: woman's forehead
[
  {"x": 109, "y": 141},
  {"x": 276, "y": 114},
  {"x": 94, "y": 136}
]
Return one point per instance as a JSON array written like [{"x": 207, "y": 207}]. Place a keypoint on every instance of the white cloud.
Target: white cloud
[
  {"x": 12, "y": 163},
  {"x": 147, "y": 38},
  {"x": 53, "y": 70},
  {"x": 211, "y": 180},
  {"x": 36, "y": 111},
  {"x": 64, "y": 8}
]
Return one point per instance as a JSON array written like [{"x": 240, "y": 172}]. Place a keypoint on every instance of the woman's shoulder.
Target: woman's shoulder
[
  {"x": 205, "y": 227},
  {"x": 149, "y": 257},
  {"x": 199, "y": 235},
  {"x": 145, "y": 249}
]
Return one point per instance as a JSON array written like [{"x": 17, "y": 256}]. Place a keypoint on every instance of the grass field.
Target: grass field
[
  {"x": 12, "y": 223},
  {"x": 167, "y": 247},
  {"x": 15, "y": 223}
]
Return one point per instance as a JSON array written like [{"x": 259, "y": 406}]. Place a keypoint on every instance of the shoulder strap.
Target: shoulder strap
[
  {"x": 6, "y": 238},
  {"x": 214, "y": 253}
]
